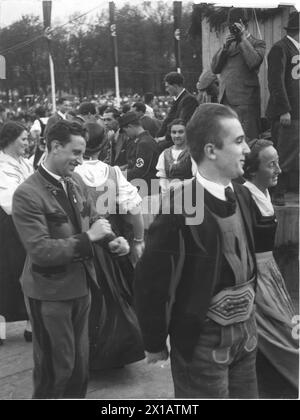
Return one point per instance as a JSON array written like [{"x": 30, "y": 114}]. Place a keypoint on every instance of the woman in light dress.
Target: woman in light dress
[
  {"x": 14, "y": 169},
  {"x": 115, "y": 338}
]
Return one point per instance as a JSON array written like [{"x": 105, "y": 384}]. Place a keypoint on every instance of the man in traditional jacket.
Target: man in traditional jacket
[
  {"x": 196, "y": 278},
  {"x": 57, "y": 223}
]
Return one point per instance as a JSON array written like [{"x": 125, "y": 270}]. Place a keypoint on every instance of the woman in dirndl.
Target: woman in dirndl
[
  {"x": 274, "y": 307},
  {"x": 14, "y": 170},
  {"x": 115, "y": 338},
  {"x": 174, "y": 164}
]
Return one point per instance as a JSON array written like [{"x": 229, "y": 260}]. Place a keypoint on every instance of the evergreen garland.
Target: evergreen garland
[{"x": 218, "y": 16}]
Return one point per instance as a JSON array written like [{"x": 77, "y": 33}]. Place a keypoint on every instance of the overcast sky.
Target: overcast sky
[{"x": 12, "y": 10}]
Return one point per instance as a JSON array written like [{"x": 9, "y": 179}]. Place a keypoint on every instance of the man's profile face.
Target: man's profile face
[
  {"x": 66, "y": 158},
  {"x": 110, "y": 122},
  {"x": 171, "y": 89},
  {"x": 230, "y": 159},
  {"x": 130, "y": 131}
]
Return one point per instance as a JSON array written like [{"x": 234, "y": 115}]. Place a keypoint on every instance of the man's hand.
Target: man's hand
[
  {"x": 119, "y": 246},
  {"x": 99, "y": 230},
  {"x": 242, "y": 28},
  {"x": 159, "y": 139},
  {"x": 228, "y": 40},
  {"x": 157, "y": 357},
  {"x": 285, "y": 119},
  {"x": 137, "y": 250},
  {"x": 203, "y": 97}
]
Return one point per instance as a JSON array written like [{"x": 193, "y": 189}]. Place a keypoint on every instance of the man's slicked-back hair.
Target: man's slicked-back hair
[
  {"x": 174, "y": 78},
  {"x": 204, "y": 127},
  {"x": 62, "y": 131}
]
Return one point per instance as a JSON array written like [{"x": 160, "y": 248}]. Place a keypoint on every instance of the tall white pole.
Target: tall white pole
[
  {"x": 47, "y": 6},
  {"x": 52, "y": 78},
  {"x": 118, "y": 101}
]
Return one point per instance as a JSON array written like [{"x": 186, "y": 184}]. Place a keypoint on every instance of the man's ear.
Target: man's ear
[
  {"x": 209, "y": 151},
  {"x": 55, "y": 146}
]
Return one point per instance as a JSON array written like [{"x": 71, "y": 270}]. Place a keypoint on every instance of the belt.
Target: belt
[{"x": 232, "y": 305}]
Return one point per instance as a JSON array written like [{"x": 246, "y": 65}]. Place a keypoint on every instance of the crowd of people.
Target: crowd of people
[{"x": 103, "y": 279}]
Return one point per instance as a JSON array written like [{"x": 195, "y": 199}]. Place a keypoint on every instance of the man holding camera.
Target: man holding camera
[{"x": 238, "y": 63}]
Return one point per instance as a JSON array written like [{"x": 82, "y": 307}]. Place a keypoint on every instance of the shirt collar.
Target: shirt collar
[
  {"x": 178, "y": 96},
  {"x": 217, "y": 190},
  {"x": 296, "y": 43},
  {"x": 56, "y": 177}
]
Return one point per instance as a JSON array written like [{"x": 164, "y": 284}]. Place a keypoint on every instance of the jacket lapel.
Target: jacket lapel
[{"x": 57, "y": 190}]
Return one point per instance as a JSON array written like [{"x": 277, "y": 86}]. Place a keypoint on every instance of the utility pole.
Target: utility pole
[{"x": 47, "y": 6}]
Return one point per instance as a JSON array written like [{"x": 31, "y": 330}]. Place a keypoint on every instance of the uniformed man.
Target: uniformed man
[{"x": 143, "y": 153}]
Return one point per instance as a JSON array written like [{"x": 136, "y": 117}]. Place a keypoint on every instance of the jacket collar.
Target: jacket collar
[{"x": 48, "y": 177}]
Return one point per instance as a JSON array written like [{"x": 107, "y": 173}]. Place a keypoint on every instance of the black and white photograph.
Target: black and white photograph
[{"x": 149, "y": 202}]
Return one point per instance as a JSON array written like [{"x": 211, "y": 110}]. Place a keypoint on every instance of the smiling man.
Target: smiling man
[
  {"x": 196, "y": 282},
  {"x": 57, "y": 224}
]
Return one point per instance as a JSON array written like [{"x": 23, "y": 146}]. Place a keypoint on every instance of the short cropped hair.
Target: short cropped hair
[
  {"x": 87, "y": 108},
  {"x": 174, "y": 78},
  {"x": 9, "y": 133},
  {"x": 139, "y": 106},
  {"x": 62, "y": 132},
  {"x": 252, "y": 160},
  {"x": 204, "y": 127}
]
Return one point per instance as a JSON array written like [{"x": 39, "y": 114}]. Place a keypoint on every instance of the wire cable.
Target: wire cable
[{"x": 49, "y": 31}]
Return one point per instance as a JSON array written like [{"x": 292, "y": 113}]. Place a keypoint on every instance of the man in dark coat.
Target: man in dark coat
[
  {"x": 197, "y": 274},
  {"x": 63, "y": 106},
  {"x": 142, "y": 152},
  {"x": 238, "y": 63},
  {"x": 183, "y": 107},
  {"x": 114, "y": 149},
  {"x": 283, "y": 106}
]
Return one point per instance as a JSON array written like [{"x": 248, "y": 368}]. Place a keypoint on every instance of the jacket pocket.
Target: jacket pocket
[
  {"x": 56, "y": 217},
  {"x": 49, "y": 272}
]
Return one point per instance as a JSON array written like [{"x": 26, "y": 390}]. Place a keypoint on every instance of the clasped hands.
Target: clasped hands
[{"x": 102, "y": 228}]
